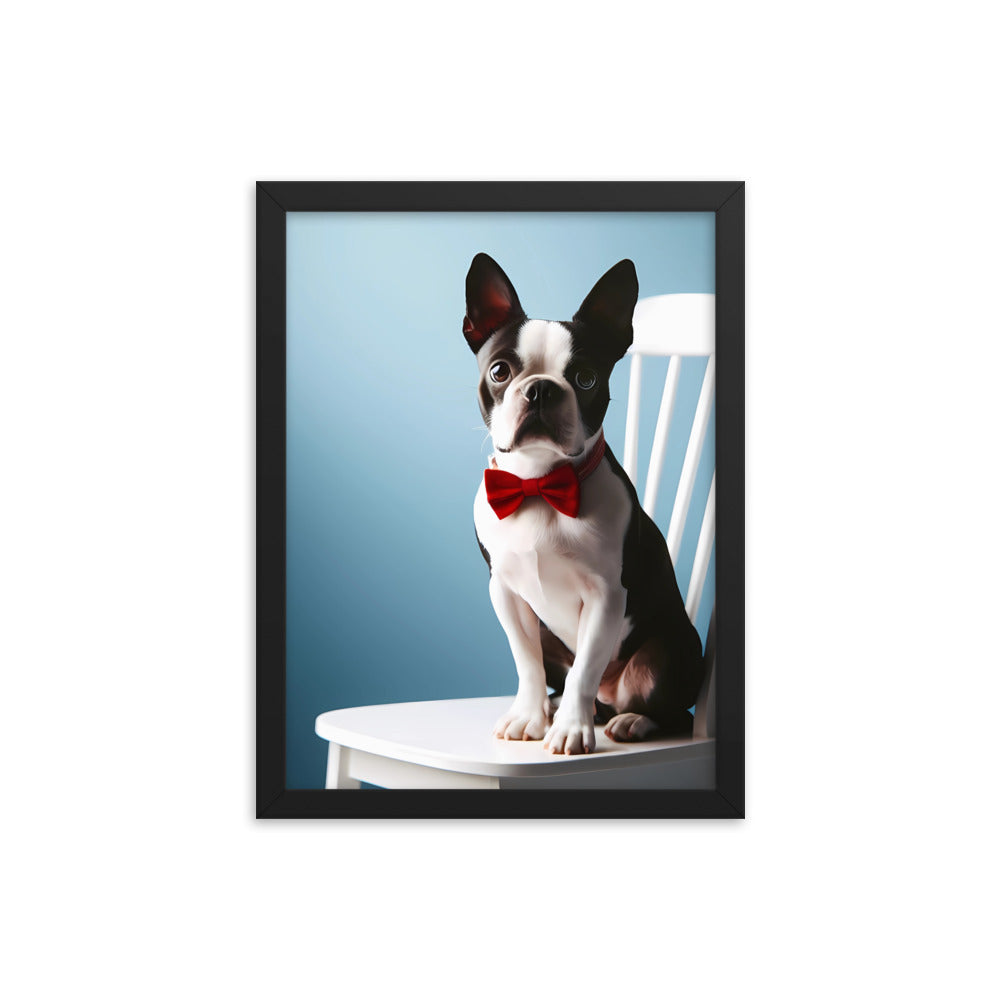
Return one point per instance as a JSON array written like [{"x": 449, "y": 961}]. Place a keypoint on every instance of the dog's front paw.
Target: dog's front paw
[
  {"x": 572, "y": 729},
  {"x": 526, "y": 720}
]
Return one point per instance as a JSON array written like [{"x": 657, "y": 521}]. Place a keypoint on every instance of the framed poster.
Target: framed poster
[{"x": 418, "y": 342}]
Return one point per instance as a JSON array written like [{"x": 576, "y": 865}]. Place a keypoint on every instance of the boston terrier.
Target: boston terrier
[{"x": 580, "y": 576}]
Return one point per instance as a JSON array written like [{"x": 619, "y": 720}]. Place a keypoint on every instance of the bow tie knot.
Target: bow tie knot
[{"x": 505, "y": 492}]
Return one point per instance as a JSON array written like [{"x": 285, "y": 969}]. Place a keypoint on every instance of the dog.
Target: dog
[{"x": 580, "y": 576}]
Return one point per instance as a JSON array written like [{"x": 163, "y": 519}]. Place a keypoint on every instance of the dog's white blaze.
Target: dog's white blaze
[{"x": 544, "y": 347}]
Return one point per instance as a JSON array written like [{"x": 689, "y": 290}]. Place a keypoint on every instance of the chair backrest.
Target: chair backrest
[{"x": 675, "y": 327}]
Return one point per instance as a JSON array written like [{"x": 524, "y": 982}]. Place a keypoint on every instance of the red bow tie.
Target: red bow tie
[{"x": 505, "y": 492}]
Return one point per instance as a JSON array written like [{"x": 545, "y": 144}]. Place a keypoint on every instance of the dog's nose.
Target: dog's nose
[{"x": 542, "y": 391}]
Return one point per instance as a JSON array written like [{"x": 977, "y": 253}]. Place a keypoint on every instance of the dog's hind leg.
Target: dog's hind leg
[{"x": 649, "y": 694}]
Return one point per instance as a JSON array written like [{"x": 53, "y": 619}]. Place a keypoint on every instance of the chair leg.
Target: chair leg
[{"x": 337, "y": 775}]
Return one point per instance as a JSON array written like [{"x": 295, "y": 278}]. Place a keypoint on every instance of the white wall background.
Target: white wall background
[{"x": 133, "y": 135}]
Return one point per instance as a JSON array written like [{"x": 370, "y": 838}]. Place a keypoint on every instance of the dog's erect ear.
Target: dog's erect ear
[
  {"x": 610, "y": 305},
  {"x": 490, "y": 301}
]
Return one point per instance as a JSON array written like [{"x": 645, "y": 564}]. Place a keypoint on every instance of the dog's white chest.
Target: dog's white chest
[
  {"x": 551, "y": 581},
  {"x": 552, "y": 561}
]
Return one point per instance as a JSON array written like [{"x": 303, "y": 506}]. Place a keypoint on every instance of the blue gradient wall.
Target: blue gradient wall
[{"x": 387, "y": 590}]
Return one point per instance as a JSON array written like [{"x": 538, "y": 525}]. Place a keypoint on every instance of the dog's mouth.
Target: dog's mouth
[{"x": 534, "y": 429}]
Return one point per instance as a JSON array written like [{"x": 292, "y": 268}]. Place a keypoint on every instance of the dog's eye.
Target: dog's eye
[
  {"x": 586, "y": 379},
  {"x": 500, "y": 372}
]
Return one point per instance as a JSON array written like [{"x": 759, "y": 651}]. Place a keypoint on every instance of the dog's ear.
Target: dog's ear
[
  {"x": 610, "y": 305},
  {"x": 490, "y": 301}
]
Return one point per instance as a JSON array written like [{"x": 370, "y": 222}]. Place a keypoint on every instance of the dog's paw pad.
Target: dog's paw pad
[{"x": 629, "y": 727}]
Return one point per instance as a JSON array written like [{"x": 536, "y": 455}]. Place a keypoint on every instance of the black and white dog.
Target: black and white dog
[{"x": 580, "y": 576}]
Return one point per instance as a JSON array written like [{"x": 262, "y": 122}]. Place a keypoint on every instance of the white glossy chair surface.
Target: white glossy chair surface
[{"x": 455, "y": 735}]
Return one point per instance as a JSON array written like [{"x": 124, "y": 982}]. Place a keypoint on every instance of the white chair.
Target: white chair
[{"x": 449, "y": 744}]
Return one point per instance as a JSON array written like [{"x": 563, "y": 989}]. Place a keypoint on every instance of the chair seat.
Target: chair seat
[{"x": 455, "y": 738}]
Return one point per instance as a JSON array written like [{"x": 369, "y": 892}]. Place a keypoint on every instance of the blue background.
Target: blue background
[{"x": 387, "y": 594}]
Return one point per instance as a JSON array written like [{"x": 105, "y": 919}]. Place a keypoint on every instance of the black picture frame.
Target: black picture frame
[{"x": 274, "y": 201}]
